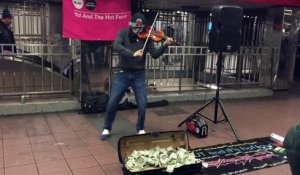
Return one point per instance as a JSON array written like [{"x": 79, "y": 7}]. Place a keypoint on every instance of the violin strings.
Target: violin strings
[{"x": 150, "y": 31}]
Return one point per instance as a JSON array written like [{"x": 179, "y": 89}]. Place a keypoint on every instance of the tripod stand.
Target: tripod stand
[{"x": 216, "y": 99}]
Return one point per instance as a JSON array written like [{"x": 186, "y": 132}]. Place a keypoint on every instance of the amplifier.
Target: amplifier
[{"x": 197, "y": 126}]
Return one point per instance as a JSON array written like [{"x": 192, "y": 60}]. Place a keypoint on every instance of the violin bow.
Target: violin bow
[{"x": 150, "y": 32}]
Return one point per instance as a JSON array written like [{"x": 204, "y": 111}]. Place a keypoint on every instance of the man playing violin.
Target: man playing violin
[{"x": 131, "y": 71}]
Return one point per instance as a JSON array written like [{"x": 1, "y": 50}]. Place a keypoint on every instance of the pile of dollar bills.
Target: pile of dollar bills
[{"x": 157, "y": 157}]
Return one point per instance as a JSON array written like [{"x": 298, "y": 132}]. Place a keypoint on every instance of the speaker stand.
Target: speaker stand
[{"x": 217, "y": 101}]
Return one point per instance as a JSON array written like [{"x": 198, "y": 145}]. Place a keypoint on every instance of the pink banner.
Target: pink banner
[
  {"x": 276, "y": 2},
  {"x": 95, "y": 19}
]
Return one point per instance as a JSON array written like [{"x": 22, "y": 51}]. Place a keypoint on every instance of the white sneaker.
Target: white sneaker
[
  {"x": 105, "y": 134},
  {"x": 141, "y": 132}
]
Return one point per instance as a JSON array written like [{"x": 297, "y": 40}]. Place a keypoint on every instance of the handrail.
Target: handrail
[{"x": 51, "y": 65}]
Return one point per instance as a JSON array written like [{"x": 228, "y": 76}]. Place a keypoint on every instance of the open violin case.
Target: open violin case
[{"x": 177, "y": 139}]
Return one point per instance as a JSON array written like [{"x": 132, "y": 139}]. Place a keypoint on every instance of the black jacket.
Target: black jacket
[
  {"x": 6, "y": 37},
  {"x": 291, "y": 144},
  {"x": 126, "y": 43}
]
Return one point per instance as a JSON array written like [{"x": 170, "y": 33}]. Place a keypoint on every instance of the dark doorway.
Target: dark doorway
[
  {"x": 297, "y": 62},
  {"x": 95, "y": 65}
]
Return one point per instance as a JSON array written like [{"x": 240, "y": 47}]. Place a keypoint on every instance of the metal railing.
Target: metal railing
[
  {"x": 54, "y": 69},
  {"x": 194, "y": 68},
  {"x": 37, "y": 69}
]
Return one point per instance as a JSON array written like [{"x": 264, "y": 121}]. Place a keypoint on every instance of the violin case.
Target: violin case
[{"x": 128, "y": 144}]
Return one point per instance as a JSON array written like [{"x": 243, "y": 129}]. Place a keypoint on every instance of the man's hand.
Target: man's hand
[
  {"x": 168, "y": 42},
  {"x": 138, "y": 53}
]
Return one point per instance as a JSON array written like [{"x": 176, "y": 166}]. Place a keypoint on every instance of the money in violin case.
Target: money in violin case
[{"x": 157, "y": 154}]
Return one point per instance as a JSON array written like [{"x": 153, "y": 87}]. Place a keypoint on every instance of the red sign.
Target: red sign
[
  {"x": 95, "y": 19},
  {"x": 277, "y": 2}
]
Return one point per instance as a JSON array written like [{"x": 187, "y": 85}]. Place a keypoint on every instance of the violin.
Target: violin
[
  {"x": 155, "y": 35},
  {"x": 149, "y": 33}
]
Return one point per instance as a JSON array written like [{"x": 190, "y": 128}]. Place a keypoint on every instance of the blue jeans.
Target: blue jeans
[{"x": 122, "y": 79}]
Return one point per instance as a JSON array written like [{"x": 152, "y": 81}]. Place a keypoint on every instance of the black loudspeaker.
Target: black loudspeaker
[{"x": 225, "y": 33}]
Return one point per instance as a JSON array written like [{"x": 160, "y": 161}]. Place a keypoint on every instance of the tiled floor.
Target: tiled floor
[{"x": 68, "y": 143}]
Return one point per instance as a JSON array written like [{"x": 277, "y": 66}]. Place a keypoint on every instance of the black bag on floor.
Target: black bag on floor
[
  {"x": 93, "y": 102},
  {"x": 129, "y": 105}
]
